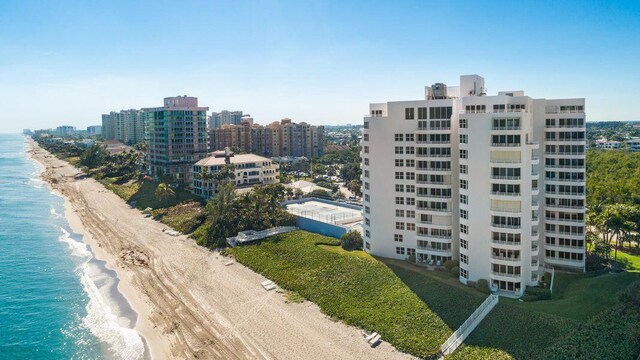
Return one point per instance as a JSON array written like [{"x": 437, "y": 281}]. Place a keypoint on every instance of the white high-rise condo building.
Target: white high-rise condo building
[{"x": 497, "y": 182}]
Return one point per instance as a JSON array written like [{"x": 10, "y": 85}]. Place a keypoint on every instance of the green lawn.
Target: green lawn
[
  {"x": 414, "y": 312},
  {"x": 630, "y": 261},
  {"x": 580, "y": 297}
]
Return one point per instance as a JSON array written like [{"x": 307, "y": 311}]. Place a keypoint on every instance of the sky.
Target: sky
[{"x": 323, "y": 62}]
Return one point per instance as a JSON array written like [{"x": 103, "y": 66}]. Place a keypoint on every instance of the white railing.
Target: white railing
[
  {"x": 469, "y": 325},
  {"x": 250, "y": 236}
]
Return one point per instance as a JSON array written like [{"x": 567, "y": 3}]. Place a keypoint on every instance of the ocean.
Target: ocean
[{"x": 56, "y": 300}]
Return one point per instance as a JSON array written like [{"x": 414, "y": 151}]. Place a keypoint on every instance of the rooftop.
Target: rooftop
[
  {"x": 235, "y": 159},
  {"x": 329, "y": 212}
]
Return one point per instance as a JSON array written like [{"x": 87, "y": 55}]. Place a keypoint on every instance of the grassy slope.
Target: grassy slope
[{"x": 412, "y": 311}]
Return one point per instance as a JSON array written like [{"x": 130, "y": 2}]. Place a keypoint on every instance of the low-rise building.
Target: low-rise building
[
  {"x": 607, "y": 145},
  {"x": 633, "y": 144},
  {"x": 249, "y": 170}
]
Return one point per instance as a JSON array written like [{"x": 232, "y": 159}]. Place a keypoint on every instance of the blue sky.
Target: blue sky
[{"x": 67, "y": 62}]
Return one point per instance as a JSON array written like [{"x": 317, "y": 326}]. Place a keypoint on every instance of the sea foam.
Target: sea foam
[{"x": 122, "y": 342}]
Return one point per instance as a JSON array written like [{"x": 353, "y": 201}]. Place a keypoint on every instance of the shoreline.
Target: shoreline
[
  {"x": 190, "y": 304},
  {"x": 76, "y": 227}
]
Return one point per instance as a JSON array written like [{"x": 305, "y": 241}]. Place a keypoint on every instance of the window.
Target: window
[
  {"x": 399, "y": 200},
  {"x": 464, "y": 229},
  {"x": 397, "y": 237},
  {"x": 367, "y": 209},
  {"x": 464, "y": 259},
  {"x": 366, "y": 137},
  {"x": 400, "y": 250},
  {"x": 464, "y": 244},
  {"x": 399, "y": 149},
  {"x": 410, "y": 150},
  {"x": 464, "y": 199},
  {"x": 411, "y": 163},
  {"x": 463, "y": 273},
  {"x": 367, "y": 245},
  {"x": 366, "y": 185},
  {"x": 366, "y": 197},
  {"x": 463, "y": 169},
  {"x": 422, "y": 113},
  {"x": 398, "y": 137},
  {"x": 440, "y": 112},
  {"x": 399, "y": 188},
  {"x": 411, "y": 188},
  {"x": 399, "y": 162},
  {"x": 399, "y": 225},
  {"x": 464, "y": 184},
  {"x": 463, "y": 154},
  {"x": 399, "y": 175},
  {"x": 366, "y": 161},
  {"x": 464, "y": 214},
  {"x": 464, "y": 139},
  {"x": 366, "y": 124},
  {"x": 463, "y": 123},
  {"x": 366, "y": 173},
  {"x": 399, "y": 213},
  {"x": 409, "y": 113},
  {"x": 411, "y": 226},
  {"x": 411, "y": 201},
  {"x": 409, "y": 137},
  {"x": 367, "y": 233},
  {"x": 366, "y": 149},
  {"x": 411, "y": 176},
  {"x": 411, "y": 214}
]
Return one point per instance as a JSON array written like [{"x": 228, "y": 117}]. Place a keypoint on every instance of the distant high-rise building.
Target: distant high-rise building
[
  {"x": 224, "y": 117},
  {"x": 127, "y": 126},
  {"x": 65, "y": 130},
  {"x": 177, "y": 137},
  {"x": 94, "y": 130},
  {"x": 108, "y": 127},
  {"x": 283, "y": 138},
  {"x": 496, "y": 182}
]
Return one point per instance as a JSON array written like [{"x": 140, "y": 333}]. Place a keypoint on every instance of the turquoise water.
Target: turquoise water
[{"x": 56, "y": 301}]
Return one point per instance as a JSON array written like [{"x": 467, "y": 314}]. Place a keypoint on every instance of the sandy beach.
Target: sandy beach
[{"x": 189, "y": 304}]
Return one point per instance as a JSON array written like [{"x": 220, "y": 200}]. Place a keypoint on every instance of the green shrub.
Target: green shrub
[
  {"x": 449, "y": 264},
  {"x": 538, "y": 292},
  {"x": 483, "y": 286},
  {"x": 455, "y": 271},
  {"x": 351, "y": 240}
]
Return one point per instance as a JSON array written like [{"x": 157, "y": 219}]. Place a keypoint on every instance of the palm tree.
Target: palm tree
[{"x": 164, "y": 192}]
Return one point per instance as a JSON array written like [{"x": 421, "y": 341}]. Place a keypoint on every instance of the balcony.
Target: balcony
[
  {"x": 567, "y": 166},
  {"x": 434, "y": 196},
  {"x": 505, "y": 274},
  {"x": 426, "y": 182},
  {"x": 504, "y": 177},
  {"x": 506, "y": 226},
  {"x": 505, "y": 258},
  {"x": 512, "y": 211},
  {"x": 443, "y": 170},
  {"x": 500, "y": 193},
  {"x": 434, "y": 155},
  {"x": 573, "y": 207},
  {"x": 506, "y": 161},
  {"x": 506, "y": 243},
  {"x": 433, "y": 142},
  {"x": 444, "y": 211},
  {"x": 564, "y": 180},
  {"x": 577, "y": 221},
  {"x": 505, "y": 128},
  {"x": 432, "y": 249}
]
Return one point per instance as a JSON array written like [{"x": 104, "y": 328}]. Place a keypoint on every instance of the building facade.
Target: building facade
[
  {"x": 496, "y": 182},
  {"x": 177, "y": 137},
  {"x": 65, "y": 130},
  {"x": 127, "y": 126},
  {"x": 248, "y": 169},
  {"x": 94, "y": 130},
  {"x": 280, "y": 138},
  {"x": 224, "y": 117}
]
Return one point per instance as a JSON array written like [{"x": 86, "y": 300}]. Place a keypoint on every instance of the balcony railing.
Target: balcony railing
[
  {"x": 505, "y": 128},
  {"x": 432, "y": 182},
  {"x": 434, "y": 196},
  {"x": 505, "y": 177},
  {"x": 566, "y": 180},
  {"x": 444, "y": 237},
  {"x": 433, "y": 142},
  {"x": 429, "y": 248},
  {"x": 505, "y": 258},
  {"x": 565, "y": 206},
  {"x": 505, "y": 144},
  {"x": 433, "y": 209},
  {"x": 433, "y": 169},
  {"x": 506, "y": 274},
  {"x": 505, "y": 193},
  {"x": 501, "y": 242},
  {"x": 506, "y": 210},
  {"x": 506, "y": 226},
  {"x": 434, "y": 155},
  {"x": 575, "y": 153},
  {"x": 580, "y": 221},
  {"x": 506, "y": 161}
]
